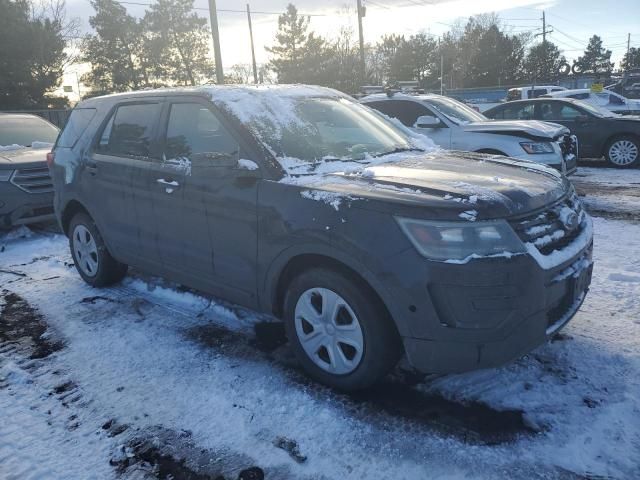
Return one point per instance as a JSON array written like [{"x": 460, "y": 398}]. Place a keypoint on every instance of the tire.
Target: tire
[
  {"x": 93, "y": 261},
  {"x": 343, "y": 366},
  {"x": 623, "y": 151}
]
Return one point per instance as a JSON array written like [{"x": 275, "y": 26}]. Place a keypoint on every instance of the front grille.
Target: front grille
[
  {"x": 568, "y": 145},
  {"x": 33, "y": 180},
  {"x": 554, "y": 228}
]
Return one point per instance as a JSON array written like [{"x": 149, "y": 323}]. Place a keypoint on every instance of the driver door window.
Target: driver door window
[
  {"x": 194, "y": 129},
  {"x": 517, "y": 112},
  {"x": 405, "y": 111},
  {"x": 559, "y": 112}
]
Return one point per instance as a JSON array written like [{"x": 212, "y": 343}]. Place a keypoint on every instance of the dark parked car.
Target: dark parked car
[
  {"x": 300, "y": 202},
  {"x": 600, "y": 132},
  {"x": 26, "y": 192}
]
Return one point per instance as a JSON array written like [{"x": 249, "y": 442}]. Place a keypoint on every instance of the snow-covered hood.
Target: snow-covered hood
[
  {"x": 530, "y": 128},
  {"x": 23, "y": 157},
  {"x": 448, "y": 184}
]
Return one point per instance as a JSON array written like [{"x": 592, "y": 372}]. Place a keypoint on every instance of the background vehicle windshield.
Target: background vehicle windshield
[
  {"x": 456, "y": 111},
  {"x": 330, "y": 128},
  {"x": 25, "y": 130}
]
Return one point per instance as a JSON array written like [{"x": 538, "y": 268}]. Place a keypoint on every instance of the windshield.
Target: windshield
[
  {"x": 329, "y": 128},
  {"x": 25, "y": 130},
  {"x": 456, "y": 111}
]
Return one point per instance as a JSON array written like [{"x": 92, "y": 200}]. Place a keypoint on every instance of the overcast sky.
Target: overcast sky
[{"x": 574, "y": 21}]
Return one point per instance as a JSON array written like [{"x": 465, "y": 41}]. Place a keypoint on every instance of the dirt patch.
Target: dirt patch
[
  {"x": 21, "y": 323},
  {"x": 398, "y": 398},
  {"x": 291, "y": 447},
  {"x": 474, "y": 422},
  {"x": 166, "y": 454}
]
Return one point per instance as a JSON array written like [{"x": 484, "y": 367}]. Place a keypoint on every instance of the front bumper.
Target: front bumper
[
  {"x": 18, "y": 207},
  {"x": 550, "y": 307},
  {"x": 489, "y": 311}
]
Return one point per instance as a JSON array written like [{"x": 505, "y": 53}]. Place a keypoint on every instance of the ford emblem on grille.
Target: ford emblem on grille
[{"x": 571, "y": 221}]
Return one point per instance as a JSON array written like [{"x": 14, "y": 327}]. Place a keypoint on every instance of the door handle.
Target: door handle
[
  {"x": 169, "y": 185},
  {"x": 92, "y": 167}
]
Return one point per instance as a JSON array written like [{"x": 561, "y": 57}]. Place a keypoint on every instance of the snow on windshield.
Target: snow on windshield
[{"x": 312, "y": 130}]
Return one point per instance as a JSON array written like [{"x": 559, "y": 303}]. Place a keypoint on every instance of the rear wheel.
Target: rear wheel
[
  {"x": 623, "y": 152},
  {"x": 339, "y": 330},
  {"x": 93, "y": 261}
]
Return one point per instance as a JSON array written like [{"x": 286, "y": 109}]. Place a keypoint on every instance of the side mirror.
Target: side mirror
[
  {"x": 214, "y": 159},
  {"x": 427, "y": 121}
]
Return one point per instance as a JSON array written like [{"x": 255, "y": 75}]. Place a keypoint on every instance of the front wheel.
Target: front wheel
[
  {"x": 93, "y": 261},
  {"x": 339, "y": 330},
  {"x": 623, "y": 152}
]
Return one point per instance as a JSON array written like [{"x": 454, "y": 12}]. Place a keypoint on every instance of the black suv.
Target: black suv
[{"x": 300, "y": 202}]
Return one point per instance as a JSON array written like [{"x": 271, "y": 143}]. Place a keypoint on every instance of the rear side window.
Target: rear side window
[
  {"x": 129, "y": 130},
  {"x": 75, "y": 127}
]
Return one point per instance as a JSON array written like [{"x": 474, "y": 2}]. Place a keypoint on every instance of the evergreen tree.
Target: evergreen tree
[
  {"x": 498, "y": 59},
  {"x": 115, "y": 51},
  {"x": 32, "y": 54},
  {"x": 543, "y": 62},
  {"x": 415, "y": 59},
  {"x": 299, "y": 56},
  {"x": 631, "y": 59},
  {"x": 596, "y": 58},
  {"x": 177, "y": 42}
]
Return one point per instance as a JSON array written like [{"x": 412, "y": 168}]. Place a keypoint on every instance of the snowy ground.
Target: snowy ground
[{"x": 146, "y": 380}]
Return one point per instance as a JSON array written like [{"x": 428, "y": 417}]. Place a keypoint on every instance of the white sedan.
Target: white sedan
[
  {"x": 453, "y": 125},
  {"x": 609, "y": 100}
]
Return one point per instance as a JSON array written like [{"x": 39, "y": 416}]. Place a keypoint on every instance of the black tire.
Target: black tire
[
  {"x": 627, "y": 140},
  {"x": 382, "y": 346},
  {"x": 109, "y": 270}
]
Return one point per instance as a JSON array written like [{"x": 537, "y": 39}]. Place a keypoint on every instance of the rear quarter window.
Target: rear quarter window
[{"x": 75, "y": 127}]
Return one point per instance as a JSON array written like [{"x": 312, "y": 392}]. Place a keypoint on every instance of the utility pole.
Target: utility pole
[
  {"x": 441, "y": 66},
  {"x": 213, "y": 15},
  {"x": 628, "y": 44},
  {"x": 544, "y": 28},
  {"x": 253, "y": 52},
  {"x": 361, "y": 13}
]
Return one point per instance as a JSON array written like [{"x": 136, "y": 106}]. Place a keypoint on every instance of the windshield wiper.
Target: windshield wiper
[{"x": 400, "y": 150}]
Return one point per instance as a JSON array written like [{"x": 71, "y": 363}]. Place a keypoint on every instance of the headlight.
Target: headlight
[
  {"x": 5, "y": 175},
  {"x": 461, "y": 241},
  {"x": 533, "y": 148}
]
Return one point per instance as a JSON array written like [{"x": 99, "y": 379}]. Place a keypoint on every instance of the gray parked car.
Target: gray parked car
[
  {"x": 300, "y": 202},
  {"x": 26, "y": 192}
]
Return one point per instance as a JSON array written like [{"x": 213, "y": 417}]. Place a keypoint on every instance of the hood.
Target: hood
[
  {"x": 451, "y": 185},
  {"x": 529, "y": 128},
  {"x": 24, "y": 157}
]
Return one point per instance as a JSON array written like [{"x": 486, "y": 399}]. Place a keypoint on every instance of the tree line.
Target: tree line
[{"x": 169, "y": 45}]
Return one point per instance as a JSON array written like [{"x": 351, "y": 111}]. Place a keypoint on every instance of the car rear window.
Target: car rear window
[
  {"x": 128, "y": 132},
  {"x": 76, "y": 125}
]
